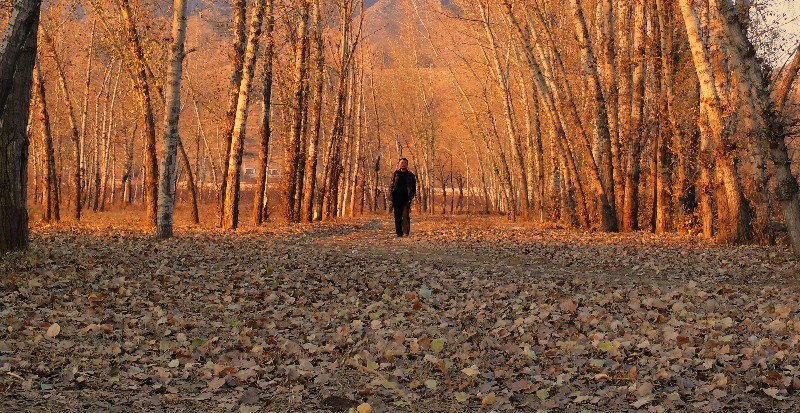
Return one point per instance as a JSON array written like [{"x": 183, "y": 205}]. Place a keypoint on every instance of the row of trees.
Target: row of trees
[
  {"x": 613, "y": 115},
  {"x": 609, "y": 89},
  {"x": 606, "y": 114},
  {"x": 138, "y": 75}
]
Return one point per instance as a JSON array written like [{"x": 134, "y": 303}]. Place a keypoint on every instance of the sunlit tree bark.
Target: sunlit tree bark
[
  {"x": 293, "y": 145},
  {"x": 743, "y": 60},
  {"x": 503, "y": 82},
  {"x": 666, "y": 129},
  {"x": 231, "y": 212},
  {"x": 310, "y": 175},
  {"x": 108, "y": 145},
  {"x": 630, "y": 214},
  {"x": 788, "y": 78},
  {"x": 79, "y": 145},
  {"x": 606, "y": 192},
  {"x": 73, "y": 126},
  {"x": 145, "y": 105},
  {"x": 170, "y": 137},
  {"x": 237, "y": 58},
  {"x": 332, "y": 165},
  {"x": 733, "y": 220},
  {"x": 259, "y": 201}
]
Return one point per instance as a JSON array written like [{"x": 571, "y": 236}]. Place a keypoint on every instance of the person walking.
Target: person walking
[{"x": 404, "y": 187}]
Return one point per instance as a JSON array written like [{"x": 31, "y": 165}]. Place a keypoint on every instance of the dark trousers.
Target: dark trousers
[{"x": 402, "y": 217}]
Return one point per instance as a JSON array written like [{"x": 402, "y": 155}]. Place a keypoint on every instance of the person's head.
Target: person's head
[{"x": 402, "y": 164}]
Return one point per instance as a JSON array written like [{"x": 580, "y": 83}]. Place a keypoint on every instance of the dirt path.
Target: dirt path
[
  {"x": 465, "y": 315},
  {"x": 495, "y": 246}
]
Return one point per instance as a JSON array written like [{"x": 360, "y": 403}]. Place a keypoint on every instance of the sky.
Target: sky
[{"x": 784, "y": 16}]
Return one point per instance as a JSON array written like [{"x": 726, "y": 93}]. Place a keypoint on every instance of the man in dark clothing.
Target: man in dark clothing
[{"x": 404, "y": 187}]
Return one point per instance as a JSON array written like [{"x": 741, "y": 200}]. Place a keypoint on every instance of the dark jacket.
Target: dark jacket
[{"x": 404, "y": 186}]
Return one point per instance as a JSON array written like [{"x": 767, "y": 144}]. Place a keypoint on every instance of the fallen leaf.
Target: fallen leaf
[
  {"x": 775, "y": 393},
  {"x": 216, "y": 383},
  {"x": 53, "y": 330},
  {"x": 642, "y": 401}
]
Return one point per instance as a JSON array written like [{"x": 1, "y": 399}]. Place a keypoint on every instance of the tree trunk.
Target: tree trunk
[
  {"x": 787, "y": 80},
  {"x": 733, "y": 213},
  {"x": 127, "y": 176},
  {"x": 231, "y": 216},
  {"x": 108, "y": 144},
  {"x": 332, "y": 162},
  {"x": 79, "y": 152},
  {"x": 237, "y": 58},
  {"x": 502, "y": 80},
  {"x": 550, "y": 95},
  {"x": 606, "y": 192},
  {"x": 50, "y": 190},
  {"x": 743, "y": 57},
  {"x": 170, "y": 137},
  {"x": 611, "y": 94},
  {"x": 16, "y": 76},
  {"x": 624, "y": 81},
  {"x": 71, "y": 116},
  {"x": 190, "y": 181},
  {"x": 310, "y": 175},
  {"x": 630, "y": 215},
  {"x": 293, "y": 145},
  {"x": 259, "y": 210},
  {"x": 376, "y": 167},
  {"x": 667, "y": 126},
  {"x": 24, "y": 15},
  {"x": 143, "y": 94}
]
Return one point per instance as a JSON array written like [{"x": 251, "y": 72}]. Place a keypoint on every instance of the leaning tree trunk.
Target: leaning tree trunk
[
  {"x": 733, "y": 222},
  {"x": 190, "y": 181},
  {"x": 231, "y": 216},
  {"x": 259, "y": 210},
  {"x": 785, "y": 85},
  {"x": 503, "y": 83},
  {"x": 17, "y": 58},
  {"x": 550, "y": 96},
  {"x": 145, "y": 104},
  {"x": 172, "y": 111},
  {"x": 608, "y": 213},
  {"x": 743, "y": 55}
]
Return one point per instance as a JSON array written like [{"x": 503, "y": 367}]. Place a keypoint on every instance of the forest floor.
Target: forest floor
[{"x": 466, "y": 314}]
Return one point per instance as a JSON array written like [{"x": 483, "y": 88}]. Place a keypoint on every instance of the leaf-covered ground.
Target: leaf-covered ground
[{"x": 465, "y": 315}]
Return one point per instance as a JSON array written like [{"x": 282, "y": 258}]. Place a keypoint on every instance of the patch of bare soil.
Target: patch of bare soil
[{"x": 466, "y": 314}]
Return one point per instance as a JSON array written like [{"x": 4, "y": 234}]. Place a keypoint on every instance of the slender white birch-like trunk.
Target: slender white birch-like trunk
[
  {"x": 231, "y": 211},
  {"x": 167, "y": 181}
]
